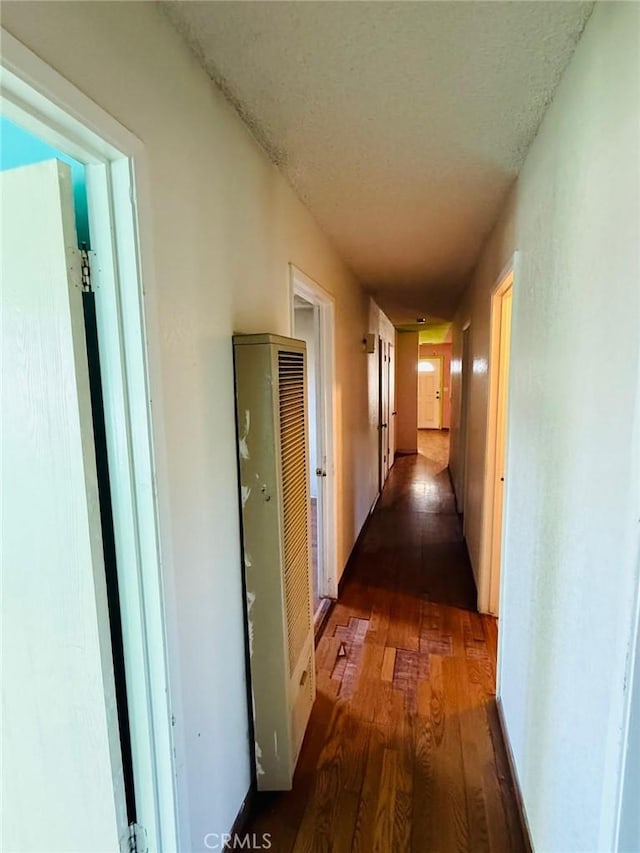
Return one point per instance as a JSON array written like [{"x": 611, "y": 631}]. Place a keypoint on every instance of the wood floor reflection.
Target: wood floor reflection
[{"x": 403, "y": 751}]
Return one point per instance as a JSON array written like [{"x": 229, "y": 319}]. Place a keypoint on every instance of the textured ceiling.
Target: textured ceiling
[{"x": 400, "y": 125}]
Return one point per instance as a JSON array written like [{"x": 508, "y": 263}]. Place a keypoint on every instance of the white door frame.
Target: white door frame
[
  {"x": 45, "y": 104},
  {"x": 387, "y": 406},
  {"x": 392, "y": 403},
  {"x": 382, "y": 361},
  {"x": 440, "y": 390},
  {"x": 489, "y": 575},
  {"x": 465, "y": 367},
  {"x": 302, "y": 285}
]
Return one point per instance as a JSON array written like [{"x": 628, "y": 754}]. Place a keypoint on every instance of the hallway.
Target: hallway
[{"x": 403, "y": 749}]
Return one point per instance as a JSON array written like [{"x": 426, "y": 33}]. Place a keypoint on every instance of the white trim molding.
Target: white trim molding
[{"x": 304, "y": 286}]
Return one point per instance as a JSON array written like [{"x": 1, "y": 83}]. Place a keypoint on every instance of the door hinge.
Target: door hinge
[
  {"x": 85, "y": 268},
  {"x": 136, "y": 840}
]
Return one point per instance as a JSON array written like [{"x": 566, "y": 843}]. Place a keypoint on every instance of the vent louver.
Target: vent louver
[{"x": 294, "y": 500}]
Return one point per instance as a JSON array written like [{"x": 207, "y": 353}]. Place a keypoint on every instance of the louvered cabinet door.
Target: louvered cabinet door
[
  {"x": 274, "y": 484},
  {"x": 294, "y": 455}
]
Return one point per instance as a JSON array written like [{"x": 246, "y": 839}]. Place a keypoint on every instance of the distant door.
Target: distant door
[
  {"x": 62, "y": 765},
  {"x": 430, "y": 393},
  {"x": 392, "y": 405},
  {"x": 383, "y": 412}
]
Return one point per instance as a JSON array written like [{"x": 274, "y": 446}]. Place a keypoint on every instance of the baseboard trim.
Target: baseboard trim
[
  {"x": 356, "y": 545},
  {"x": 522, "y": 813},
  {"x": 330, "y": 603},
  {"x": 322, "y": 617},
  {"x": 240, "y": 823}
]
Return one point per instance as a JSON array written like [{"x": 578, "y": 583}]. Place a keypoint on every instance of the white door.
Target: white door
[
  {"x": 392, "y": 404},
  {"x": 384, "y": 411},
  {"x": 62, "y": 783},
  {"x": 387, "y": 408},
  {"x": 429, "y": 393},
  {"x": 504, "y": 346}
]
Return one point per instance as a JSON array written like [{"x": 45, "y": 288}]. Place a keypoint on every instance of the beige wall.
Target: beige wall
[
  {"x": 569, "y": 569},
  {"x": 407, "y": 392},
  {"x": 225, "y": 227}
]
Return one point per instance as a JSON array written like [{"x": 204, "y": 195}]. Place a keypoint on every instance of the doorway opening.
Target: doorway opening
[
  {"x": 19, "y": 149},
  {"x": 385, "y": 420},
  {"x": 74, "y": 311},
  {"x": 434, "y": 391},
  {"x": 465, "y": 384},
  {"x": 312, "y": 320},
  {"x": 496, "y": 450},
  {"x": 430, "y": 392}
]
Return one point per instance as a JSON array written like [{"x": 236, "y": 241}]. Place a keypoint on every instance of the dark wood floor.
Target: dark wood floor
[{"x": 403, "y": 751}]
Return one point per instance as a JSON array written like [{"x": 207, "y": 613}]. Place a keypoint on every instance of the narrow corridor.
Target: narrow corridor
[{"x": 403, "y": 750}]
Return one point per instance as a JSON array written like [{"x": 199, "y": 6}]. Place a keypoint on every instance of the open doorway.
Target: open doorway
[
  {"x": 430, "y": 392},
  {"x": 496, "y": 456},
  {"x": 384, "y": 411},
  {"x": 84, "y": 628},
  {"x": 433, "y": 409},
  {"x": 465, "y": 384},
  {"x": 29, "y": 165},
  {"x": 312, "y": 321}
]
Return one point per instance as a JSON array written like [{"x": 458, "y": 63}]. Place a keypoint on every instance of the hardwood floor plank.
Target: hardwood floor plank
[
  {"x": 388, "y": 664},
  {"x": 449, "y": 792},
  {"x": 423, "y": 769},
  {"x": 386, "y": 807},
  {"x": 363, "y": 837},
  {"x": 472, "y": 735},
  {"x": 344, "y": 825}
]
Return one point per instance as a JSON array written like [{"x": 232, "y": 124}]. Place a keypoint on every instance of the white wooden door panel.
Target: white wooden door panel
[
  {"x": 392, "y": 405},
  {"x": 429, "y": 379},
  {"x": 62, "y": 786},
  {"x": 500, "y": 453}
]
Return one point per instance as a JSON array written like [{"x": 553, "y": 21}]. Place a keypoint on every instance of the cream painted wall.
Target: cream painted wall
[
  {"x": 572, "y": 502},
  {"x": 407, "y": 392},
  {"x": 225, "y": 227}
]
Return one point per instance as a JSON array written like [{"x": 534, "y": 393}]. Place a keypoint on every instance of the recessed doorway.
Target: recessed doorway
[
  {"x": 430, "y": 392},
  {"x": 86, "y": 632},
  {"x": 313, "y": 322},
  {"x": 496, "y": 451}
]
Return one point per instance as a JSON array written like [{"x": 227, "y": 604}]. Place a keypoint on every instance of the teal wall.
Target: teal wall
[{"x": 19, "y": 148}]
